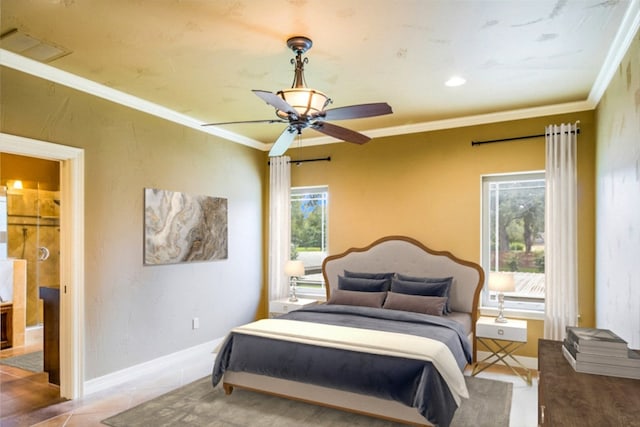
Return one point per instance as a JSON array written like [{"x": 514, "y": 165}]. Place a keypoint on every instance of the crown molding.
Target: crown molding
[
  {"x": 47, "y": 72},
  {"x": 480, "y": 119},
  {"x": 619, "y": 47}
]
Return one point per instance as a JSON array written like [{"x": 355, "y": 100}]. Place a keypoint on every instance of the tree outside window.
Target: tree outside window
[
  {"x": 513, "y": 236},
  {"x": 309, "y": 208}
]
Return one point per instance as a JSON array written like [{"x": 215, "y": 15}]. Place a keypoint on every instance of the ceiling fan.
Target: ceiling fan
[{"x": 301, "y": 107}]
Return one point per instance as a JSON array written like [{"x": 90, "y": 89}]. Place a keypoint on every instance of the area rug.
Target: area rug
[
  {"x": 198, "y": 405},
  {"x": 33, "y": 362}
]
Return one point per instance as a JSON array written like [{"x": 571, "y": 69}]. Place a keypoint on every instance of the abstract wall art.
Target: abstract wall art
[{"x": 180, "y": 228}]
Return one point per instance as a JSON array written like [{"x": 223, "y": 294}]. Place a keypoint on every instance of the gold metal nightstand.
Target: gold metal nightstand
[{"x": 502, "y": 340}]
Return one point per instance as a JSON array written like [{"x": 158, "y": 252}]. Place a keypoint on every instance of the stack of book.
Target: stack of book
[{"x": 601, "y": 352}]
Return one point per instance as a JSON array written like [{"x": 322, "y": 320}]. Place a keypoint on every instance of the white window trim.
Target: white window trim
[
  {"x": 318, "y": 293},
  {"x": 517, "y": 309}
]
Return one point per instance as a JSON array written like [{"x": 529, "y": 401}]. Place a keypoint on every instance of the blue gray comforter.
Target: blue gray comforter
[{"x": 415, "y": 383}]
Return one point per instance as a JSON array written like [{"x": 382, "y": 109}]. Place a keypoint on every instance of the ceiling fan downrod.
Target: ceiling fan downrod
[
  {"x": 299, "y": 45},
  {"x": 302, "y": 104}
]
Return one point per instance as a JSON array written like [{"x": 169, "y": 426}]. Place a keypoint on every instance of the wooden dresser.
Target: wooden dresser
[
  {"x": 6, "y": 325},
  {"x": 567, "y": 398}
]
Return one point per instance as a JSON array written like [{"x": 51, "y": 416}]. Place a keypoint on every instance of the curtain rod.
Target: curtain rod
[
  {"x": 297, "y": 162},
  {"x": 490, "y": 141}
]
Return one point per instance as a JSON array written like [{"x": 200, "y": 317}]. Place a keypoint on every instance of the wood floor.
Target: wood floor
[{"x": 22, "y": 391}]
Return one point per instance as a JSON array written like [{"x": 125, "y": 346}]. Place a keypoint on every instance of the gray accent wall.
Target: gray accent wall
[
  {"x": 618, "y": 201},
  {"x": 136, "y": 313}
]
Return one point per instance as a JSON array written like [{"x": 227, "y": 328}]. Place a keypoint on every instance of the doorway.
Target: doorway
[
  {"x": 32, "y": 222},
  {"x": 71, "y": 217}
]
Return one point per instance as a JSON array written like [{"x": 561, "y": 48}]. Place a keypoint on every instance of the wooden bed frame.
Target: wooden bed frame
[{"x": 398, "y": 254}]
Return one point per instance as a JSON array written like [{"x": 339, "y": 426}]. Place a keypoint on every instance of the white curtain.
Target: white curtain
[
  {"x": 279, "y": 225},
  {"x": 561, "y": 269}
]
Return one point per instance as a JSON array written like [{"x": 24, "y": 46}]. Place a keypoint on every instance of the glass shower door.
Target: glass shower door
[
  {"x": 34, "y": 235},
  {"x": 48, "y": 240}
]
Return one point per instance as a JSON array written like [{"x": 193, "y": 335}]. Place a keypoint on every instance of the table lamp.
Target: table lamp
[
  {"x": 501, "y": 282},
  {"x": 293, "y": 269}
]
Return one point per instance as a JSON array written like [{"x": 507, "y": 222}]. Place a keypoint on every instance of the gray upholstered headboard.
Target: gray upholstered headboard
[
  {"x": 405, "y": 255},
  {"x": 399, "y": 254}
]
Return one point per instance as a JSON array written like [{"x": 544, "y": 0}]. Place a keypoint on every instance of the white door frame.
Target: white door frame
[{"x": 71, "y": 253}]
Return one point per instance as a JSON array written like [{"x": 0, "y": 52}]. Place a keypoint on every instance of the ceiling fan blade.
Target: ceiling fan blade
[
  {"x": 246, "y": 121},
  {"x": 340, "y": 132},
  {"x": 275, "y": 101},
  {"x": 283, "y": 142},
  {"x": 358, "y": 111}
]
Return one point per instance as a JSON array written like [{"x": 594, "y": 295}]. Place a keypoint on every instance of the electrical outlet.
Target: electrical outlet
[{"x": 195, "y": 323}]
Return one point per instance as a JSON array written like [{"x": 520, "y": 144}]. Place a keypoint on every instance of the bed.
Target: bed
[{"x": 369, "y": 349}]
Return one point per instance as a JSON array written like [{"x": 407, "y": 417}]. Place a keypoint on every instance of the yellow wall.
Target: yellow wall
[
  {"x": 33, "y": 172},
  {"x": 427, "y": 186}
]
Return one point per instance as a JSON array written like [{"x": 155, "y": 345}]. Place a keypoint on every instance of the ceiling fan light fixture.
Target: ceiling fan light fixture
[
  {"x": 307, "y": 102},
  {"x": 301, "y": 108}
]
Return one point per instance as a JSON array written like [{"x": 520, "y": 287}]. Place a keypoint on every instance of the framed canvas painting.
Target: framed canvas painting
[{"x": 181, "y": 228}]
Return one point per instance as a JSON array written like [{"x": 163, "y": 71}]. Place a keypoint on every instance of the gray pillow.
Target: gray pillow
[
  {"x": 415, "y": 303},
  {"x": 404, "y": 277},
  {"x": 423, "y": 279},
  {"x": 435, "y": 289},
  {"x": 363, "y": 285},
  {"x": 364, "y": 299},
  {"x": 366, "y": 275}
]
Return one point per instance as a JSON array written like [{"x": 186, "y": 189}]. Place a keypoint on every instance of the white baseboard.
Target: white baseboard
[
  {"x": 177, "y": 360},
  {"x": 529, "y": 362}
]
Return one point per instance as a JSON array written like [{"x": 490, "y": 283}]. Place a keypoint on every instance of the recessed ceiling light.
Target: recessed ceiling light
[
  {"x": 455, "y": 81},
  {"x": 26, "y": 45}
]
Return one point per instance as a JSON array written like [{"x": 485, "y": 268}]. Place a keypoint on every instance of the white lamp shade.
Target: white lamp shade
[
  {"x": 294, "y": 268},
  {"x": 304, "y": 101},
  {"x": 501, "y": 281}
]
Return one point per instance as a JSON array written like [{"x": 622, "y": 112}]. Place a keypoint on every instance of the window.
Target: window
[
  {"x": 309, "y": 209},
  {"x": 513, "y": 237}
]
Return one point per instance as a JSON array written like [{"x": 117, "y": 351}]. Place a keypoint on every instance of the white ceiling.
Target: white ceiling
[{"x": 196, "y": 61}]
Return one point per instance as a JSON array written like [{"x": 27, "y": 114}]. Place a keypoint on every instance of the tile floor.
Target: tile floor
[
  {"x": 88, "y": 411},
  {"x": 524, "y": 400}
]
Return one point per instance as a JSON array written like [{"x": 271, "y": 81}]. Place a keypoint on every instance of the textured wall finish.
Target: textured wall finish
[
  {"x": 180, "y": 227},
  {"x": 133, "y": 313},
  {"x": 618, "y": 196}
]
